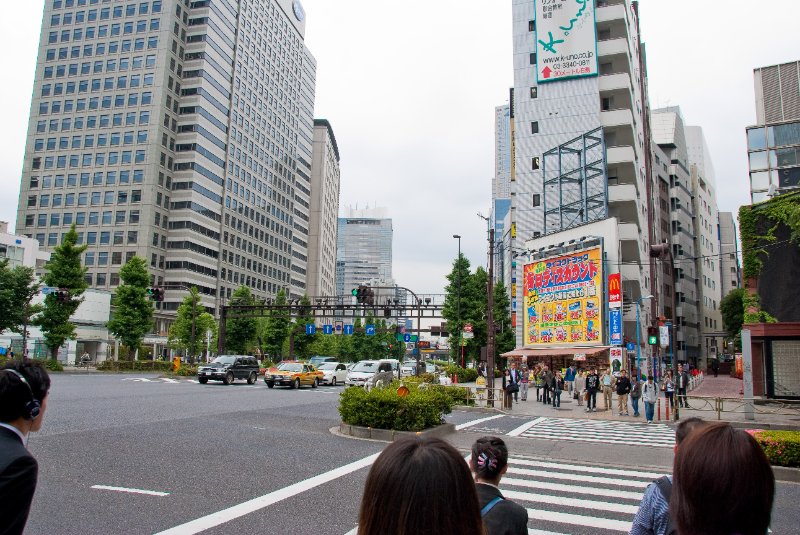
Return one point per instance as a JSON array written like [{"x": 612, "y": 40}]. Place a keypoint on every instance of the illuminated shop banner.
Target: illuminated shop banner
[
  {"x": 566, "y": 39},
  {"x": 563, "y": 300}
]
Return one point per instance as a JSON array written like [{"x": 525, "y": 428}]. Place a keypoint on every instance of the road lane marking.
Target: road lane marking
[
  {"x": 251, "y": 506},
  {"x": 524, "y": 427},
  {"x": 132, "y": 491},
  {"x": 585, "y": 468},
  {"x": 579, "y": 477},
  {"x": 593, "y": 505},
  {"x": 580, "y": 520},
  {"x": 478, "y": 421}
]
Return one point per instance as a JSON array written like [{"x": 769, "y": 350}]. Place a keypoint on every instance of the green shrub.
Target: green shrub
[
  {"x": 186, "y": 370},
  {"x": 465, "y": 375},
  {"x": 134, "y": 365},
  {"x": 782, "y": 447},
  {"x": 383, "y": 408},
  {"x": 53, "y": 365}
]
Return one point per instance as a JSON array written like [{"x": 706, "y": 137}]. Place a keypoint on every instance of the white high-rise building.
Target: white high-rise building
[
  {"x": 730, "y": 269},
  {"x": 325, "y": 182},
  {"x": 177, "y": 131}
]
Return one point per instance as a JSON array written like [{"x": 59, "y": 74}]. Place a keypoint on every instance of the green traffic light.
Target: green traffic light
[{"x": 355, "y": 291}]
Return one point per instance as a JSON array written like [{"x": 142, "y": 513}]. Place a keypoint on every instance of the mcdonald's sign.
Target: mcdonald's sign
[{"x": 614, "y": 291}]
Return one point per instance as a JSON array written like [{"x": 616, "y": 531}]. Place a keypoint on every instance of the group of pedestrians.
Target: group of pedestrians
[{"x": 549, "y": 385}]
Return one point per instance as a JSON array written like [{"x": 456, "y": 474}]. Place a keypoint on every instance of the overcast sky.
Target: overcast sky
[{"x": 410, "y": 89}]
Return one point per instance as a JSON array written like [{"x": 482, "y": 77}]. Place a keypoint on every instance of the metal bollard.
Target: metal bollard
[
  {"x": 658, "y": 406},
  {"x": 666, "y": 410}
]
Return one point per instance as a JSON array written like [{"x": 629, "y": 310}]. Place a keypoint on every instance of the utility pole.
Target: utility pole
[{"x": 490, "y": 329}]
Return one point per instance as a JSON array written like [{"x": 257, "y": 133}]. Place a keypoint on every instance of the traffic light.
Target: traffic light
[
  {"x": 156, "y": 294},
  {"x": 62, "y": 295},
  {"x": 369, "y": 296},
  {"x": 652, "y": 336},
  {"x": 360, "y": 294}
]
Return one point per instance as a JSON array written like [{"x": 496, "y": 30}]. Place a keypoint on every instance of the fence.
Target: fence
[{"x": 742, "y": 406}]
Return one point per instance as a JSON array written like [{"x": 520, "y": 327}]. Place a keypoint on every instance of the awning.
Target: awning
[{"x": 556, "y": 351}]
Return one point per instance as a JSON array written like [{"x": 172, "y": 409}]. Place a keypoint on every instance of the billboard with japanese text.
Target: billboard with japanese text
[
  {"x": 566, "y": 40},
  {"x": 563, "y": 298}
]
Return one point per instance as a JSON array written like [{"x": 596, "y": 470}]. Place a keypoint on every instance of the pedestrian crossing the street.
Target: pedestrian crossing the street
[
  {"x": 597, "y": 431},
  {"x": 572, "y": 498}
]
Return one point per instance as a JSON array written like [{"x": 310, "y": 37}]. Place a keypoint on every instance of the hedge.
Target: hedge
[
  {"x": 383, "y": 408},
  {"x": 465, "y": 375},
  {"x": 135, "y": 365},
  {"x": 51, "y": 365},
  {"x": 782, "y": 447}
]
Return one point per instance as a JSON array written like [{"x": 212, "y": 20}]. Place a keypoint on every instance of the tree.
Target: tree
[
  {"x": 275, "y": 328},
  {"x": 188, "y": 331},
  {"x": 302, "y": 341},
  {"x": 133, "y": 311},
  {"x": 505, "y": 339},
  {"x": 732, "y": 309},
  {"x": 18, "y": 286},
  {"x": 64, "y": 270},
  {"x": 454, "y": 307},
  {"x": 476, "y": 298},
  {"x": 241, "y": 331}
]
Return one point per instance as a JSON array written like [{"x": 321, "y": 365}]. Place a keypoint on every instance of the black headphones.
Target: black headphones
[{"x": 32, "y": 407}]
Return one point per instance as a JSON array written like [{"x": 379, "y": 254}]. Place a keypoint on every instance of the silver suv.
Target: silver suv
[{"x": 367, "y": 372}]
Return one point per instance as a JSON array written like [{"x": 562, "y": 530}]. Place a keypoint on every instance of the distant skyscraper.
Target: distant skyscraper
[
  {"x": 177, "y": 131},
  {"x": 773, "y": 143},
  {"x": 730, "y": 270},
  {"x": 364, "y": 249},
  {"x": 325, "y": 182},
  {"x": 502, "y": 152}
]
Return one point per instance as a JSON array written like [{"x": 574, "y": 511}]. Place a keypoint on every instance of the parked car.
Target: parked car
[
  {"x": 410, "y": 368},
  {"x": 333, "y": 373},
  {"x": 293, "y": 374},
  {"x": 364, "y": 371},
  {"x": 228, "y": 368},
  {"x": 316, "y": 360}
]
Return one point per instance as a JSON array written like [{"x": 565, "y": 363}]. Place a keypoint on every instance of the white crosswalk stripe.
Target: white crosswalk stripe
[
  {"x": 600, "y": 431},
  {"x": 573, "y": 498}
]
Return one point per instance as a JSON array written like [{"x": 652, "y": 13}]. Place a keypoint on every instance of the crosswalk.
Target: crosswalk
[
  {"x": 572, "y": 498},
  {"x": 597, "y": 431}
]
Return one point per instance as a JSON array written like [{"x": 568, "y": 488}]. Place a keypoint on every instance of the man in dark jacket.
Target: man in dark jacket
[
  {"x": 623, "y": 389},
  {"x": 592, "y": 385},
  {"x": 23, "y": 402},
  {"x": 681, "y": 384}
]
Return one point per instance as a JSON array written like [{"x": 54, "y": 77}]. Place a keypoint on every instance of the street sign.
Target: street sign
[
  {"x": 348, "y": 329},
  {"x": 47, "y": 290},
  {"x": 630, "y": 346},
  {"x": 467, "y": 327},
  {"x": 615, "y": 326},
  {"x": 467, "y": 334},
  {"x": 663, "y": 334},
  {"x": 614, "y": 291},
  {"x": 579, "y": 356},
  {"x": 370, "y": 329},
  {"x": 406, "y": 337},
  {"x": 327, "y": 329},
  {"x": 311, "y": 329}
]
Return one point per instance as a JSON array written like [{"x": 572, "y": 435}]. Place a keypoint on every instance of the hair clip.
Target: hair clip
[{"x": 484, "y": 461}]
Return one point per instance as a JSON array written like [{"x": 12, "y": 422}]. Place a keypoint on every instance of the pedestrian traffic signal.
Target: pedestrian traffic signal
[
  {"x": 652, "y": 336},
  {"x": 62, "y": 295}
]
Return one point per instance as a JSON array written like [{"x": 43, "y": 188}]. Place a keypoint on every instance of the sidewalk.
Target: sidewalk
[{"x": 702, "y": 398}]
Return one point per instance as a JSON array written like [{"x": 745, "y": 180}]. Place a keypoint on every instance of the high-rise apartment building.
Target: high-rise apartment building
[
  {"x": 363, "y": 249},
  {"x": 730, "y": 269},
  {"x": 773, "y": 143},
  {"x": 177, "y": 131},
  {"x": 501, "y": 187},
  {"x": 580, "y": 135},
  {"x": 325, "y": 182}
]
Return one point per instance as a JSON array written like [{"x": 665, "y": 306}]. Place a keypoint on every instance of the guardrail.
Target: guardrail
[{"x": 741, "y": 406}]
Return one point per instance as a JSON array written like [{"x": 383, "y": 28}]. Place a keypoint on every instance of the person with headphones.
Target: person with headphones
[{"x": 24, "y": 386}]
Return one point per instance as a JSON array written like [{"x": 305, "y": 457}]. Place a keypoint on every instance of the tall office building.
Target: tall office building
[
  {"x": 730, "y": 269},
  {"x": 580, "y": 136},
  {"x": 773, "y": 143},
  {"x": 363, "y": 249},
  {"x": 325, "y": 182},
  {"x": 177, "y": 131},
  {"x": 501, "y": 187}
]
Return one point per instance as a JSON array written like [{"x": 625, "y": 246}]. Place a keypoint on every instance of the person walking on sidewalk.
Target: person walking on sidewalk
[
  {"x": 558, "y": 387},
  {"x": 682, "y": 383},
  {"x": 547, "y": 379},
  {"x": 515, "y": 378},
  {"x": 569, "y": 378},
  {"x": 607, "y": 381},
  {"x": 623, "y": 389},
  {"x": 669, "y": 389},
  {"x": 636, "y": 393},
  {"x": 650, "y": 396},
  {"x": 580, "y": 387},
  {"x": 715, "y": 366},
  {"x": 509, "y": 389},
  {"x": 592, "y": 386},
  {"x": 523, "y": 383},
  {"x": 536, "y": 377}
]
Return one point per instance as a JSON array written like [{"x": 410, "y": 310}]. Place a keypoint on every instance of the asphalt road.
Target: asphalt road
[{"x": 246, "y": 458}]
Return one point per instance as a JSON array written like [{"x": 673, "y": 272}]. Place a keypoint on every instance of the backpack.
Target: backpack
[{"x": 665, "y": 487}]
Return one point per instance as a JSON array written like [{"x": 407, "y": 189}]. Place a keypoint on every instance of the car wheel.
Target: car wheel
[
  {"x": 228, "y": 378},
  {"x": 315, "y": 384},
  {"x": 252, "y": 378},
  {"x": 296, "y": 383},
  {"x": 270, "y": 385},
  {"x": 333, "y": 381},
  {"x": 203, "y": 380}
]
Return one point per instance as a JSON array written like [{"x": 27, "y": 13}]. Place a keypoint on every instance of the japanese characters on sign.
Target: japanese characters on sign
[
  {"x": 566, "y": 39},
  {"x": 563, "y": 300}
]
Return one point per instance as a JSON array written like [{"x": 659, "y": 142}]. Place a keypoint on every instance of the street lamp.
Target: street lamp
[
  {"x": 458, "y": 306},
  {"x": 638, "y": 331}
]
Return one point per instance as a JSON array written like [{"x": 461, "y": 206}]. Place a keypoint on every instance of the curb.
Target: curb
[
  {"x": 786, "y": 474},
  {"x": 762, "y": 426},
  {"x": 390, "y": 435}
]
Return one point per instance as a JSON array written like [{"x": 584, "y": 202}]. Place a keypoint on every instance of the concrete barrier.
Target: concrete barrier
[{"x": 390, "y": 435}]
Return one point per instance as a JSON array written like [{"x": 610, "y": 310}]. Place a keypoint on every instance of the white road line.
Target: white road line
[
  {"x": 579, "y": 477},
  {"x": 580, "y": 520},
  {"x": 542, "y": 532},
  {"x": 132, "y": 491},
  {"x": 478, "y": 421},
  {"x": 598, "y": 440},
  {"x": 250, "y": 506},
  {"x": 584, "y": 468},
  {"x": 548, "y": 484},
  {"x": 168, "y": 380},
  {"x": 593, "y": 505},
  {"x": 524, "y": 427}
]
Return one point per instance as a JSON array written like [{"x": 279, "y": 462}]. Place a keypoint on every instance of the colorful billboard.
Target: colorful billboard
[
  {"x": 566, "y": 40},
  {"x": 563, "y": 299}
]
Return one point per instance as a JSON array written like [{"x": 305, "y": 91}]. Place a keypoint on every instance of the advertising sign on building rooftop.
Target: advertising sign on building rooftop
[{"x": 566, "y": 40}]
